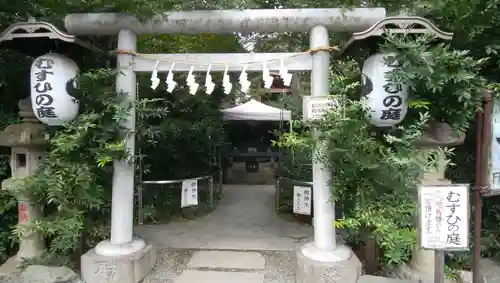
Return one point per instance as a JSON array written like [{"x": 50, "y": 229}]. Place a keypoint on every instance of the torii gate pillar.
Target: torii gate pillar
[{"x": 124, "y": 259}]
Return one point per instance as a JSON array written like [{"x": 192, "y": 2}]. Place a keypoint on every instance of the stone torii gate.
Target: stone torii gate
[{"x": 126, "y": 259}]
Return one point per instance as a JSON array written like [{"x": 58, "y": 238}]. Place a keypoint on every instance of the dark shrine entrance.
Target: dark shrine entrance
[
  {"x": 253, "y": 159},
  {"x": 251, "y": 128}
]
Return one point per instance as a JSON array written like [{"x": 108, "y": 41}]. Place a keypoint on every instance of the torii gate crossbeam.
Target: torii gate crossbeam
[{"x": 226, "y": 21}]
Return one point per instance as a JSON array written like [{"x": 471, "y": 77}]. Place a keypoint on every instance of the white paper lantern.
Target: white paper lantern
[
  {"x": 52, "y": 75},
  {"x": 386, "y": 102}
]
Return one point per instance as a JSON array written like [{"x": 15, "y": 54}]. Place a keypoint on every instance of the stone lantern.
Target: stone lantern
[
  {"x": 27, "y": 142},
  {"x": 437, "y": 136},
  {"x": 387, "y": 104},
  {"x": 39, "y": 40}
]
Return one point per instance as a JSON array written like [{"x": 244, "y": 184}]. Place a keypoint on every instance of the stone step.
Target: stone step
[
  {"x": 227, "y": 259},
  {"x": 379, "y": 279},
  {"x": 194, "y": 276}
]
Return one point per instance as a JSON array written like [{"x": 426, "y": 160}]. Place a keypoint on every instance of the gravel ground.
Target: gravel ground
[
  {"x": 10, "y": 279},
  {"x": 17, "y": 279},
  {"x": 278, "y": 269},
  {"x": 171, "y": 262}
]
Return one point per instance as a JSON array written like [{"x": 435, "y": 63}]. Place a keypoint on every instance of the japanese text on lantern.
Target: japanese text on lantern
[
  {"x": 444, "y": 217},
  {"x": 44, "y": 98},
  {"x": 393, "y": 101}
]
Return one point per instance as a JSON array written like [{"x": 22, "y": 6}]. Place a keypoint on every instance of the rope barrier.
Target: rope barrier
[{"x": 164, "y": 182}]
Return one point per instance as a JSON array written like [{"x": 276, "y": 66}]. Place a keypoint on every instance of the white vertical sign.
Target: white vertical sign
[
  {"x": 302, "y": 200},
  {"x": 189, "y": 195},
  {"x": 494, "y": 170},
  {"x": 444, "y": 217}
]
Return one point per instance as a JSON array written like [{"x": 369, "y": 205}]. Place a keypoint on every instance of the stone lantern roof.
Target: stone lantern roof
[{"x": 29, "y": 133}]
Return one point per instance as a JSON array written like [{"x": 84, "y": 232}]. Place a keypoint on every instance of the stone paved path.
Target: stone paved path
[
  {"x": 216, "y": 266},
  {"x": 491, "y": 270},
  {"x": 242, "y": 241},
  {"x": 244, "y": 220}
]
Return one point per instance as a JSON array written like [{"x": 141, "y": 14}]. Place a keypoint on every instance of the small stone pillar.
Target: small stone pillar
[
  {"x": 26, "y": 141},
  {"x": 436, "y": 136}
]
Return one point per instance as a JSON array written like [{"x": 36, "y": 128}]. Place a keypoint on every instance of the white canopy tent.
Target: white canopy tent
[{"x": 254, "y": 110}]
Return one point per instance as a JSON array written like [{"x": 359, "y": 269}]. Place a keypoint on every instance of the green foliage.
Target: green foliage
[
  {"x": 191, "y": 141},
  {"x": 188, "y": 144},
  {"x": 445, "y": 81},
  {"x": 8, "y": 212},
  {"x": 374, "y": 182},
  {"x": 74, "y": 179},
  {"x": 376, "y": 174},
  {"x": 8, "y": 204},
  {"x": 375, "y": 179}
]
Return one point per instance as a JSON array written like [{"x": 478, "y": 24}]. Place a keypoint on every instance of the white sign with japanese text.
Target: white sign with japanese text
[
  {"x": 315, "y": 107},
  {"x": 189, "y": 195},
  {"x": 494, "y": 170},
  {"x": 302, "y": 200},
  {"x": 444, "y": 217}
]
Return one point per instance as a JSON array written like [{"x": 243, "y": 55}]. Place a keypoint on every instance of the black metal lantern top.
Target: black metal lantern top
[
  {"x": 35, "y": 38},
  {"x": 388, "y": 26}
]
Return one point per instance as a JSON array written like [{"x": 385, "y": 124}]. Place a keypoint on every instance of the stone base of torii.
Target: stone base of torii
[{"x": 125, "y": 259}]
